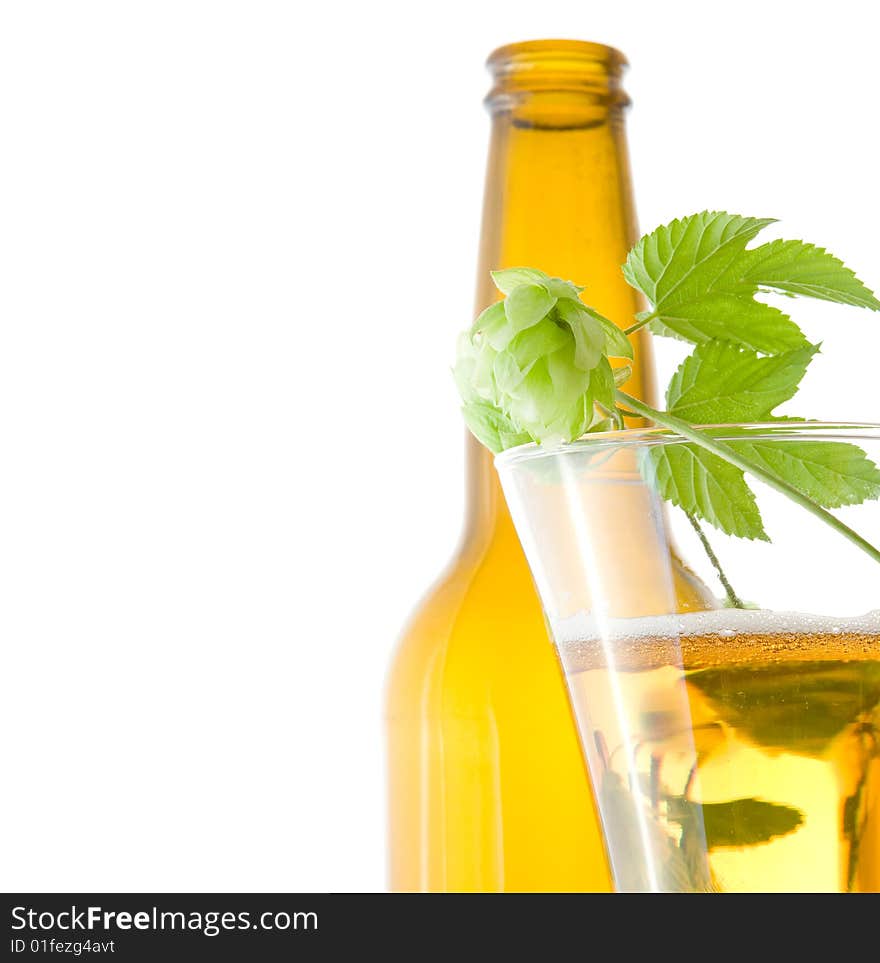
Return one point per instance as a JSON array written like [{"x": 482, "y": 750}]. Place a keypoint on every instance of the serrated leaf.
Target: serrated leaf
[
  {"x": 705, "y": 486},
  {"x": 492, "y": 428},
  {"x": 702, "y": 281},
  {"x": 681, "y": 259},
  {"x": 739, "y": 822},
  {"x": 526, "y": 305},
  {"x": 794, "y": 267},
  {"x": 722, "y": 383},
  {"x": 832, "y": 473},
  {"x": 728, "y": 317}
]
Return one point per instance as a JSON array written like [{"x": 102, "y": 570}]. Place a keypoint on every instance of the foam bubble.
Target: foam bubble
[{"x": 726, "y": 623}]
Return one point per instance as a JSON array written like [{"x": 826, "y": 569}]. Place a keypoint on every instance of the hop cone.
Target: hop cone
[{"x": 534, "y": 366}]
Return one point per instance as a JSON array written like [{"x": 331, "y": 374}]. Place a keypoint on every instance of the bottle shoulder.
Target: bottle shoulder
[{"x": 478, "y": 619}]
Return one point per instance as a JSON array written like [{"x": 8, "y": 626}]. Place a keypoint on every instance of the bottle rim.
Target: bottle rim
[
  {"x": 577, "y": 68},
  {"x": 536, "y": 53}
]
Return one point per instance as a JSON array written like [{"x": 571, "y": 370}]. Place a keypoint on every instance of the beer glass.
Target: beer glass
[{"x": 732, "y": 745}]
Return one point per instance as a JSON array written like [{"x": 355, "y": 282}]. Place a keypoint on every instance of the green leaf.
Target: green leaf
[
  {"x": 702, "y": 281},
  {"x": 793, "y": 267},
  {"x": 727, "y": 317},
  {"x": 832, "y": 473},
  {"x": 740, "y": 822},
  {"x": 492, "y": 428},
  {"x": 680, "y": 267},
  {"x": 680, "y": 260},
  {"x": 705, "y": 486},
  {"x": 722, "y": 383},
  {"x": 527, "y": 304}
]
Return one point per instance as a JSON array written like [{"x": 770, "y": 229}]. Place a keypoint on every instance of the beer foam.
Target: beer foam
[{"x": 724, "y": 623}]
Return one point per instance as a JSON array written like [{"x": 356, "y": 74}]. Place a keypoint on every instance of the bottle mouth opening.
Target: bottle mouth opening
[
  {"x": 556, "y": 54},
  {"x": 556, "y": 66}
]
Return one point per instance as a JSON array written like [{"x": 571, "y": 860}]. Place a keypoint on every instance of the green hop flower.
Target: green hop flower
[{"x": 534, "y": 367}]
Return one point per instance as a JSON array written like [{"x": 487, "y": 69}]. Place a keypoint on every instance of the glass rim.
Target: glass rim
[{"x": 652, "y": 437}]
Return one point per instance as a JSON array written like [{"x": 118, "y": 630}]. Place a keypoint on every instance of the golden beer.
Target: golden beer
[{"x": 734, "y": 750}]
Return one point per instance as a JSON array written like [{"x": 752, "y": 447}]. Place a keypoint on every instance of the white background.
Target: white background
[{"x": 237, "y": 242}]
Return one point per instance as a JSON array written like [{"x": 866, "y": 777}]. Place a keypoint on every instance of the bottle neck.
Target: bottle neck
[{"x": 557, "y": 198}]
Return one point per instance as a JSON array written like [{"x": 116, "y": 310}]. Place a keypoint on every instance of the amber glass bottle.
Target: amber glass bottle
[{"x": 488, "y": 790}]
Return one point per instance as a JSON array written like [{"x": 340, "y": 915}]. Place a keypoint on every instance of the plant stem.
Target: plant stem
[
  {"x": 732, "y": 598},
  {"x": 729, "y": 455},
  {"x": 614, "y": 414},
  {"x": 639, "y": 324}
]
